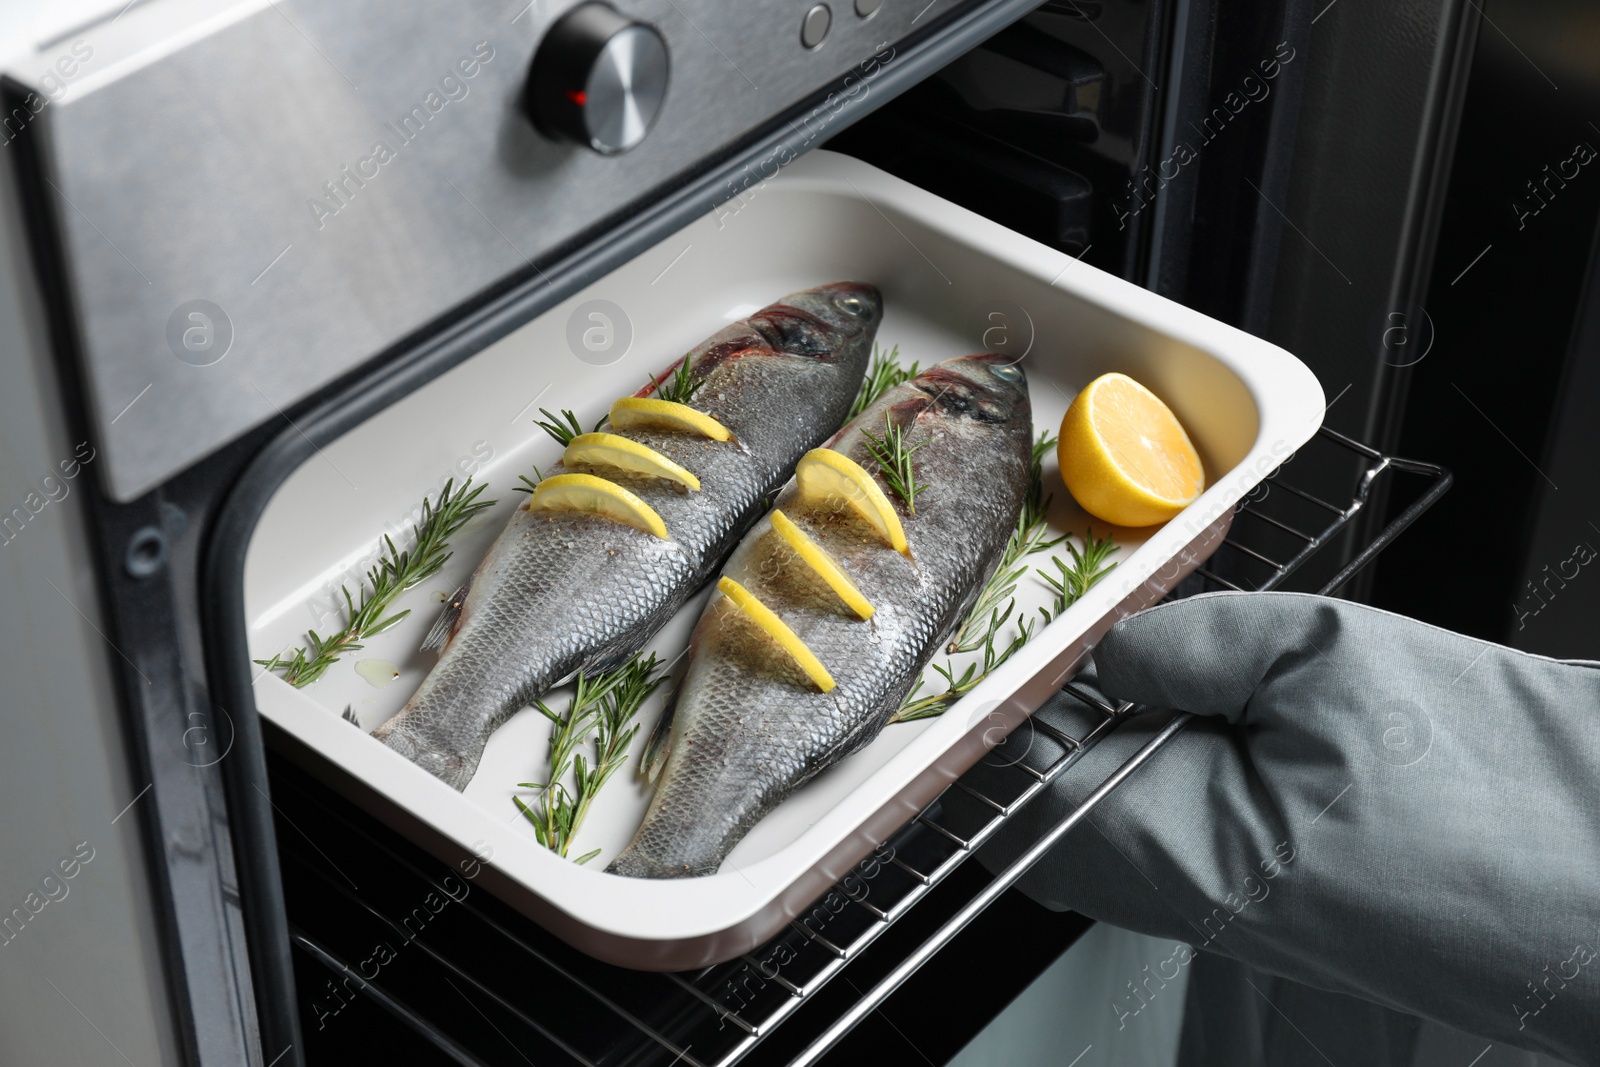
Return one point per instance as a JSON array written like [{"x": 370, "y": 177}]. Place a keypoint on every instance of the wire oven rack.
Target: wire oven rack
[{"x": 479, "y": 984}]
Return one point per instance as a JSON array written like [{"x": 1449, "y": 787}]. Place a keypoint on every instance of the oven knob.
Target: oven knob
[{"x": 598, "y": 79}]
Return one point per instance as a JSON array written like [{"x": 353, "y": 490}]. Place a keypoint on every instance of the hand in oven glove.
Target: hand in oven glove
[{"x": 1366, "y": 804}]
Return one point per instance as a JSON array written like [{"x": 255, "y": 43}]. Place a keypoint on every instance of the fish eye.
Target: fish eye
[
  {"x": 850, "y": 305},
  {"x": 1007, "y": 373}
]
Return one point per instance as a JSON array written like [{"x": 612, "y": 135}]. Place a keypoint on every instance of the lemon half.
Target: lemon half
[
  {"x": 596, "y": 496},
  {"x": 1125, "y": 457},
  {"x": 824, "y": 475}
]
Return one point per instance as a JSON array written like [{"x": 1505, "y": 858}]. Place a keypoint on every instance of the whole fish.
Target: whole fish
[
  {"x": 564, "y": 591},
  {"x": 747, "y": 728}
]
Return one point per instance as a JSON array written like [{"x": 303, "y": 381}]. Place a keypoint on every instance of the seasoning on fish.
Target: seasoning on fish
[
  {"x": 826, "y": 567},
  {"x": 767, "y": 621},
  {"x": 747, "y": 726},
  {"x": 585, "y": 583}
]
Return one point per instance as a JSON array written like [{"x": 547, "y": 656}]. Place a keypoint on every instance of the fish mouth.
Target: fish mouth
[
  {"x": 993, "y": 359},
  {"x": 851, "y": 307},
  {"x": 988, "y": 372},
  {"x": 1006, "y": 368},
  {"x": 812, "y": 323},
  {"x": 987, "y": 386},
  {"x": 866, "y": 292}
]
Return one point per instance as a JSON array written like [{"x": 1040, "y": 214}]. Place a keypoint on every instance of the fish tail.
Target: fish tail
[
  {"x": 454, "y": 769},
  {"x": 632, "y": 862},
  {"x": 432, "y": 732},
  {"x": 687, "y": 833}
]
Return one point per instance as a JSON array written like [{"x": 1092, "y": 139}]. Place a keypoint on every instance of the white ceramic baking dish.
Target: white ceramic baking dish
[{"x": 953, "y": 283}]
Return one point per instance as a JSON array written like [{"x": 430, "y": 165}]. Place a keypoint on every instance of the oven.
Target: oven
[{"x": 238, "y": 232}]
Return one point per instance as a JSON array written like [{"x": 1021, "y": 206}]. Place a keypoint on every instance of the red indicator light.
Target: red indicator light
[{"x": 578, "y": 96}]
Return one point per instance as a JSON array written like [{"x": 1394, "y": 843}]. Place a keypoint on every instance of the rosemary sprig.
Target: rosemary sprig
[
  {"x": 394, "y": 573},
  {"x": 603, "y": 706},
  {"x": 994, "y": 654},
  {"x": 984, "y": 624},
  {"x": 883, "y": 374},
  {"x": 680, "y": 384},
  {"x": 565, "y": 431},
  {"x": 528, "y": 484},
  {"x": 1087, "y": 568},
  {"x": 894, "y": 459},
  {"x": 1070, "y": 583},
  {"x": 1031, "y": 535}
]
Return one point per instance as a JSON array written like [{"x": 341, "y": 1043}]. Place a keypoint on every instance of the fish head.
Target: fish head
[
  {"x": 824, "y": 323},
  {"x": 785, "y": 377},
  {"x": 986, "y": 387}
]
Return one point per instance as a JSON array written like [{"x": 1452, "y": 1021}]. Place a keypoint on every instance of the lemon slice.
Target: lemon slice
[
  {"x": 612, "y": 450},
  {"x": 596, "y": 496},
  {"x": 776, "y": 629},
  {"x": 818, "y": 559},
  {"x": 639, "y": 411},
  {"x": 824, "y": 474},
  {"x": 1125, "y": 457}
]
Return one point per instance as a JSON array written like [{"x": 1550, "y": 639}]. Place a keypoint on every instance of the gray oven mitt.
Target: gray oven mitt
[{"x": 1366, "y": 804}]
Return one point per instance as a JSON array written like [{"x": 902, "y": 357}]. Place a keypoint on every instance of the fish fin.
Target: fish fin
[
  {"x": 848, "y": 745},
  {"x": 605, "y": 661},
  {"x": 444, "y": 627},
  {"x": 659, "y": 746}
]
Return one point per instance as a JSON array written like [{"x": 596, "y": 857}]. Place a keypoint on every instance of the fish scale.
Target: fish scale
[
  {"x": 563, "y": 591},
  {"x": 747, "y": 728}
]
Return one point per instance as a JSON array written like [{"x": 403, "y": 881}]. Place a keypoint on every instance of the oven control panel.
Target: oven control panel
[
  {"x": 254, "y": 198},
  {"x": 598, "y": 79}
]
